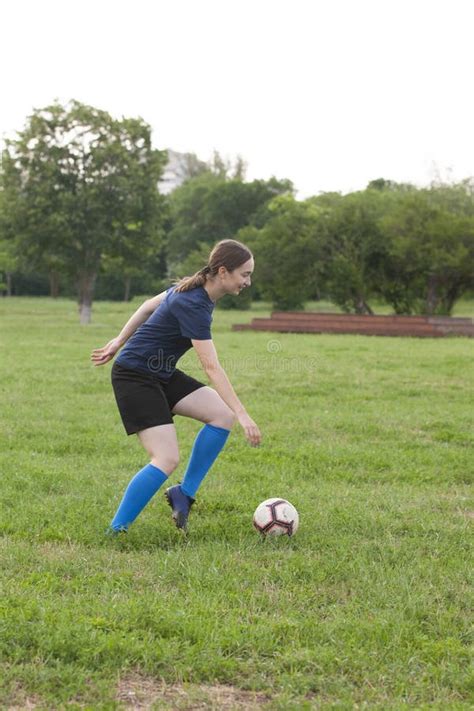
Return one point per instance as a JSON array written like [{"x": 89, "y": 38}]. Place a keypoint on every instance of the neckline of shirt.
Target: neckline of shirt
[
  {"x": 210, "y": 301},
  {"x": 208, "y": 297}
]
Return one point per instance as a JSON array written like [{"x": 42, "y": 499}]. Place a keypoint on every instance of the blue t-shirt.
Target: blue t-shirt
[{"x": 157, "y": 344}]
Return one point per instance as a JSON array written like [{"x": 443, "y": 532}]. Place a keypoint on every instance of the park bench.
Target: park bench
[{"x": 377, "y": 325}]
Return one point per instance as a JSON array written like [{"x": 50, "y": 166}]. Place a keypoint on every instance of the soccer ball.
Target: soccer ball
[{"x": 276, "y": 517}]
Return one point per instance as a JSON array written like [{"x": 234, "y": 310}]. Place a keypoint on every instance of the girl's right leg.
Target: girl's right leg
[{"x": 161, "y": 443}]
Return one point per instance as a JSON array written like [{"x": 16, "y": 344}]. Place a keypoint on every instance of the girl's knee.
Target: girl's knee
[
  {"x": 225, "y": 418},
  {"x": 166, "y": 462}
]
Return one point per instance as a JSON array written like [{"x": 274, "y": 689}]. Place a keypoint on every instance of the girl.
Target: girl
[{"x": 150, "y": 390}]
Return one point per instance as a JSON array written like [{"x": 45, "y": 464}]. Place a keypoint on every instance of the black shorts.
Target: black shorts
[{"x": 146, "y": 401}]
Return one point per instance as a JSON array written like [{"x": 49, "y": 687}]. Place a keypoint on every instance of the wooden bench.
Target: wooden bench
[{"x": 379, "y": 325}]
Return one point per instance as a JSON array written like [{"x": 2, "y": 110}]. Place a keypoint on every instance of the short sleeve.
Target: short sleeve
[{"x": 194, "y": 320}]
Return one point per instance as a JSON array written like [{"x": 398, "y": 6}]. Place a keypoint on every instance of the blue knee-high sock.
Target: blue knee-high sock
[
  {"x": 138, "y": 493},
  {"x": 207, "y": 445}
]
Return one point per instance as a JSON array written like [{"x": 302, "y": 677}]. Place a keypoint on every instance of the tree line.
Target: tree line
[{"x": 80, "y": 214}]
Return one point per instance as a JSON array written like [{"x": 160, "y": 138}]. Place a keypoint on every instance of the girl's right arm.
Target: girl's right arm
[{"x": 100, "y": 356}]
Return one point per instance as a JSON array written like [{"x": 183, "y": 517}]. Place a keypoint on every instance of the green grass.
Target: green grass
[{"x": 368, "y": 606}]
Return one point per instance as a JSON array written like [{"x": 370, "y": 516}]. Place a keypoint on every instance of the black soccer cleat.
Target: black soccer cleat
[{"x": 180, "y": 504}]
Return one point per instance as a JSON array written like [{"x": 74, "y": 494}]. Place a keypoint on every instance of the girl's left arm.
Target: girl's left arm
[{"x": 100, "y": 356}]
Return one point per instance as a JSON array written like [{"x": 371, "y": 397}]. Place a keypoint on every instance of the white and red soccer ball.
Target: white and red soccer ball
[{"x": 276, "y": 517}]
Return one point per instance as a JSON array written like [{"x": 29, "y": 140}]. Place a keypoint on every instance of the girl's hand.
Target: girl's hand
[
  {"x": 250, "y": 428},
  {"x": 102, "y": 355}
]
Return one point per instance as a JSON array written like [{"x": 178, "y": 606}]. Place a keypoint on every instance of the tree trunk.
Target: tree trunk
[
  {"x": 450, "y": 299},
  {"x": 128, "y": 284},
  {"x": 431, "y": 297},
  {"x": 362, "y": 307},
  {"x": 85, "y": 293},
  {"x": 53, "y": 284},
  {"x": 9, "y": 284}
]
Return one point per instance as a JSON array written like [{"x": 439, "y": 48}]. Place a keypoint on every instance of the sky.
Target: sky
[{"x": 327, "y": 93}]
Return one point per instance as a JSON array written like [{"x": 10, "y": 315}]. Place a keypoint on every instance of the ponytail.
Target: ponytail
[{"x": 198, "y": 279}]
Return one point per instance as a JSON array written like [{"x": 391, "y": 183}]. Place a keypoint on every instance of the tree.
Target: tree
[
  {"x": 224, "y": 169},
  {"x": 211, "y": 207},
  {"x": 84, "y": 188},
  {"x": 191, "y": 166},
  {"x": 431, "y": 248},
  {"x": 288, "y": 252},
  {"x": 8, "y": 263},
  {"x": 383, "y": 185},
  {"x": 354, "y": 248},
  {"x": 7, "y": 256}
]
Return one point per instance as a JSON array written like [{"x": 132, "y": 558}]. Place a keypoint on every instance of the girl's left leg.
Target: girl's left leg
[{"x": 205, "y": 405}]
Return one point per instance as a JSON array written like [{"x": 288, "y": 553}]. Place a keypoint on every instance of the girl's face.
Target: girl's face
[{"x": 239, "y": 278}]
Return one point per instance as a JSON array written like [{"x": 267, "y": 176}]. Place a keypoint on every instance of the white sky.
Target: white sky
[{"x": 327, "y": 93}]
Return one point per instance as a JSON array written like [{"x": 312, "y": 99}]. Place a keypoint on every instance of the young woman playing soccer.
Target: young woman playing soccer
[{"x": 150, "y": 390}]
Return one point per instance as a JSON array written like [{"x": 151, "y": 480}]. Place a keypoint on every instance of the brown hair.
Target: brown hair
[{"x": 227, "y": 253}]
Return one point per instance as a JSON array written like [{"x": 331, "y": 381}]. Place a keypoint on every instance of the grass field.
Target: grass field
[{"x": 369, "y": 606}]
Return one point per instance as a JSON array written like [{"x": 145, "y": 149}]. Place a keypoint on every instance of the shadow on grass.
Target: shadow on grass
[{"x": 148, "y": 538}]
